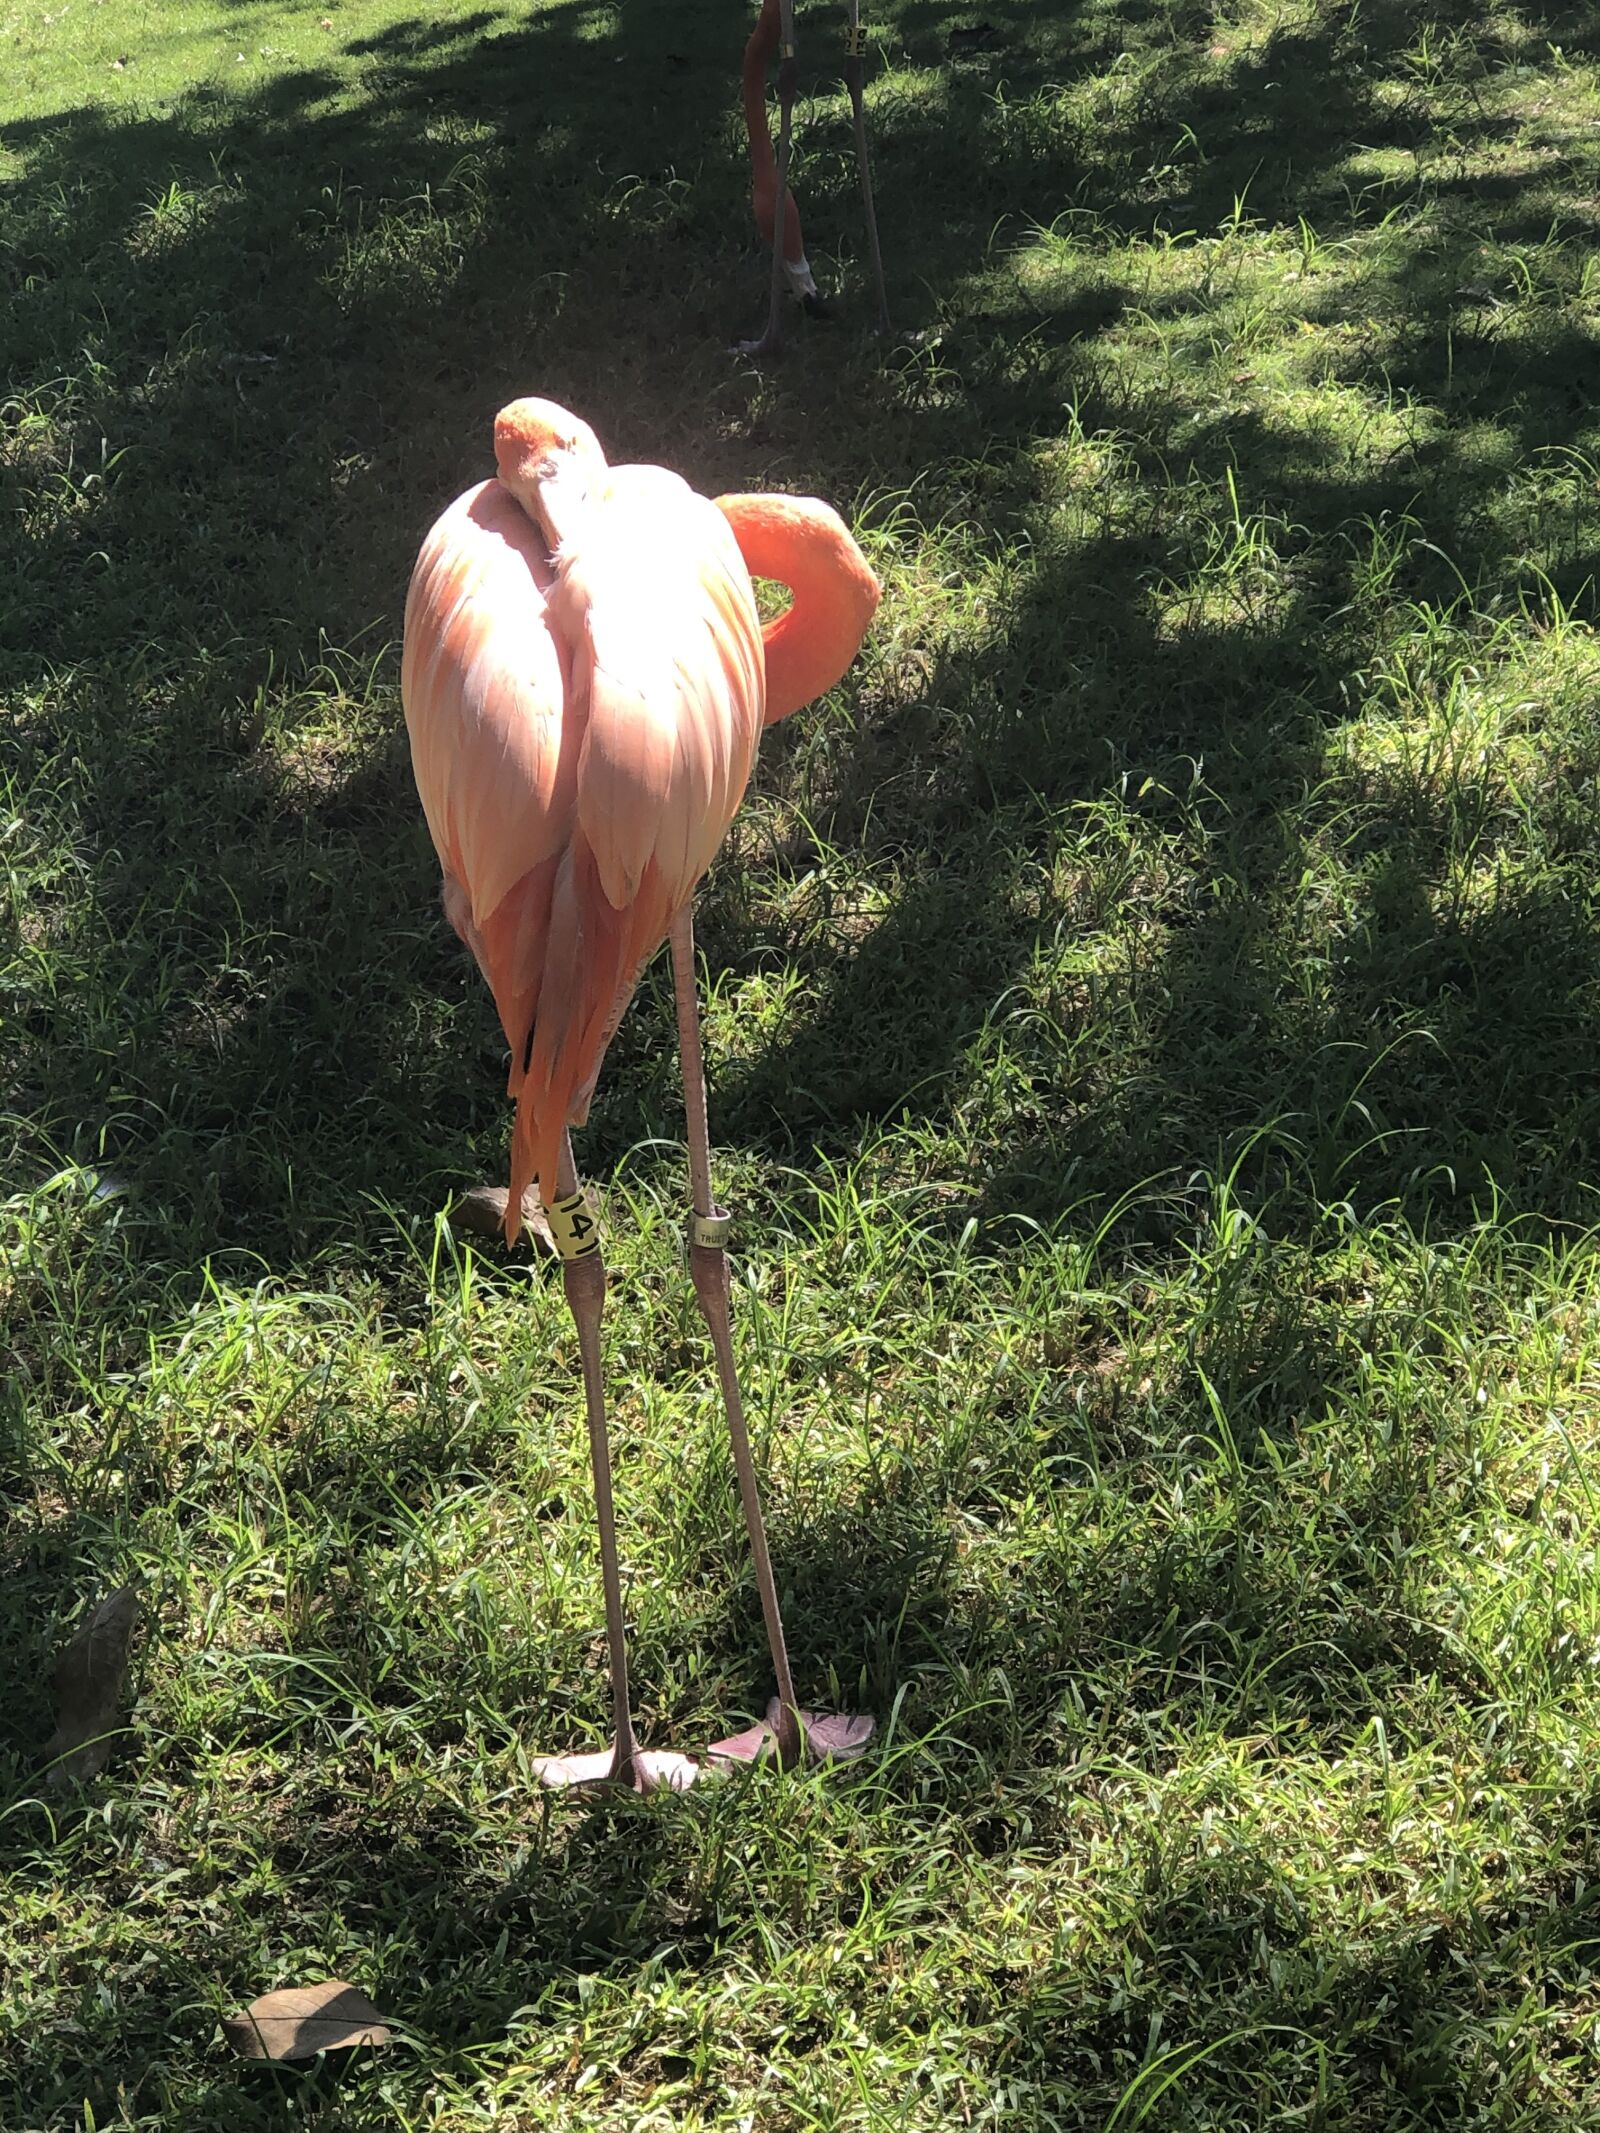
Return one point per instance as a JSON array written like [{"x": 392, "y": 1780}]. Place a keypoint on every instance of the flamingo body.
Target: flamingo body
[{"x": 585, "y": 681}]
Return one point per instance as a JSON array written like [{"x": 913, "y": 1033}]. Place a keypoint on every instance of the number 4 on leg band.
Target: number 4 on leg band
[{"x": 574, "y": 1226}]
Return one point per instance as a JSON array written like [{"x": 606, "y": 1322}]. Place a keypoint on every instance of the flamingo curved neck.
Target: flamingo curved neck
[{"x": 800, "y": 543}]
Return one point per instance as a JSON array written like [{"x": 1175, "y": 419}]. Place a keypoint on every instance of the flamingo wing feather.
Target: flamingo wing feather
[
  {"x": 675, "y": 679},
  {"x": 484, "y": 680}
]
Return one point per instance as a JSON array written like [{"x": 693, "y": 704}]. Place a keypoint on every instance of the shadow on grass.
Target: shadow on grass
[{"x": 1428, "y": 2027}]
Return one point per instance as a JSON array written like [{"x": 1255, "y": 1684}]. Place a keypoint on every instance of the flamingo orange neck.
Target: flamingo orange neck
[{"x": 800, "y": 543}]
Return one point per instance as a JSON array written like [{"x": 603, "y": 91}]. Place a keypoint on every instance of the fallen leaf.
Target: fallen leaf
[
  {"x": 89, "y": 1678},
  {"x": 298, "y": 2021},
  {"x": 482, "y": 1210}
]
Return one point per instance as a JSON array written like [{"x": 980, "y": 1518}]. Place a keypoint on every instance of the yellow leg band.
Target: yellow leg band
[{"x": 574, "y": 1226}]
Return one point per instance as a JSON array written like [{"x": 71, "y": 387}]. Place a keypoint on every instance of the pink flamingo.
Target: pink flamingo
[{"x": 585, "y": 680}]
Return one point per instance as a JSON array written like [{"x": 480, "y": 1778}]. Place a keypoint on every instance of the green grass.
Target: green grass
[{"x": 1153, "y": 1018}]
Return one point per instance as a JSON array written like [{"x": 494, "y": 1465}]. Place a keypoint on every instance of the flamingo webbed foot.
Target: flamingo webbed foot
[
  {"x": 644, "y": 1770},
  {"x": 821, "y": 1737}
]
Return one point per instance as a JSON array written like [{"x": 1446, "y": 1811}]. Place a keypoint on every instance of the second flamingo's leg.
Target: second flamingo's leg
[
  {"x": 855, "y": 51},
  {"x": 789, "y": 1731},
  {"x": 771, "y": 342},
  {"x": 577, "y": 1238}
]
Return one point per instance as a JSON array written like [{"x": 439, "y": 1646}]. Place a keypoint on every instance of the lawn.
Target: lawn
[{"x": 1154, "y": 1013}]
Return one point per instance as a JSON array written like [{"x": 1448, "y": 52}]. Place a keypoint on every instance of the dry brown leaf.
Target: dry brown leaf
[
  {"x": 298, "y": 2021},
  {"x": 482, "y": 1210},
  {"x": 89, "y": 1678}
]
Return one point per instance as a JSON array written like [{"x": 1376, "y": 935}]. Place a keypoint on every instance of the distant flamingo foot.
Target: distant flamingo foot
[
  {"x": 812, "y": 302},
  {"x": 770, "y": 344},
  {"x": 649, "y": 1770},
  {"x": 825, "y": 1737}
]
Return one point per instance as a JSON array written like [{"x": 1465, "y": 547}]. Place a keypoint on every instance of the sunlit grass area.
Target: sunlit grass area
[{"x": 1152, "y": 1012}]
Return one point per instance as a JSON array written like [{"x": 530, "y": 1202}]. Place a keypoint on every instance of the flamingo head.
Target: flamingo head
[{"x": 548, "y": 459}]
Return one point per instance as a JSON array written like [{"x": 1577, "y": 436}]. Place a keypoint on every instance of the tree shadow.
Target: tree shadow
[{"x": 1431, "y": 2025}]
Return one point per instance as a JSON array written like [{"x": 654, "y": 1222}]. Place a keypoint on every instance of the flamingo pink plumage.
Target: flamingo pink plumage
[{"x": 585, "y": 680}]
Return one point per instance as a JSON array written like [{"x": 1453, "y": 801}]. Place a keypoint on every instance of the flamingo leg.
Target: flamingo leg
[
  {"x": 789, "y": 1732},
  {"x": 771, "y": 341},
  {"x": 852, "y": 76},
  {"x": 624, "y": 1763}
]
